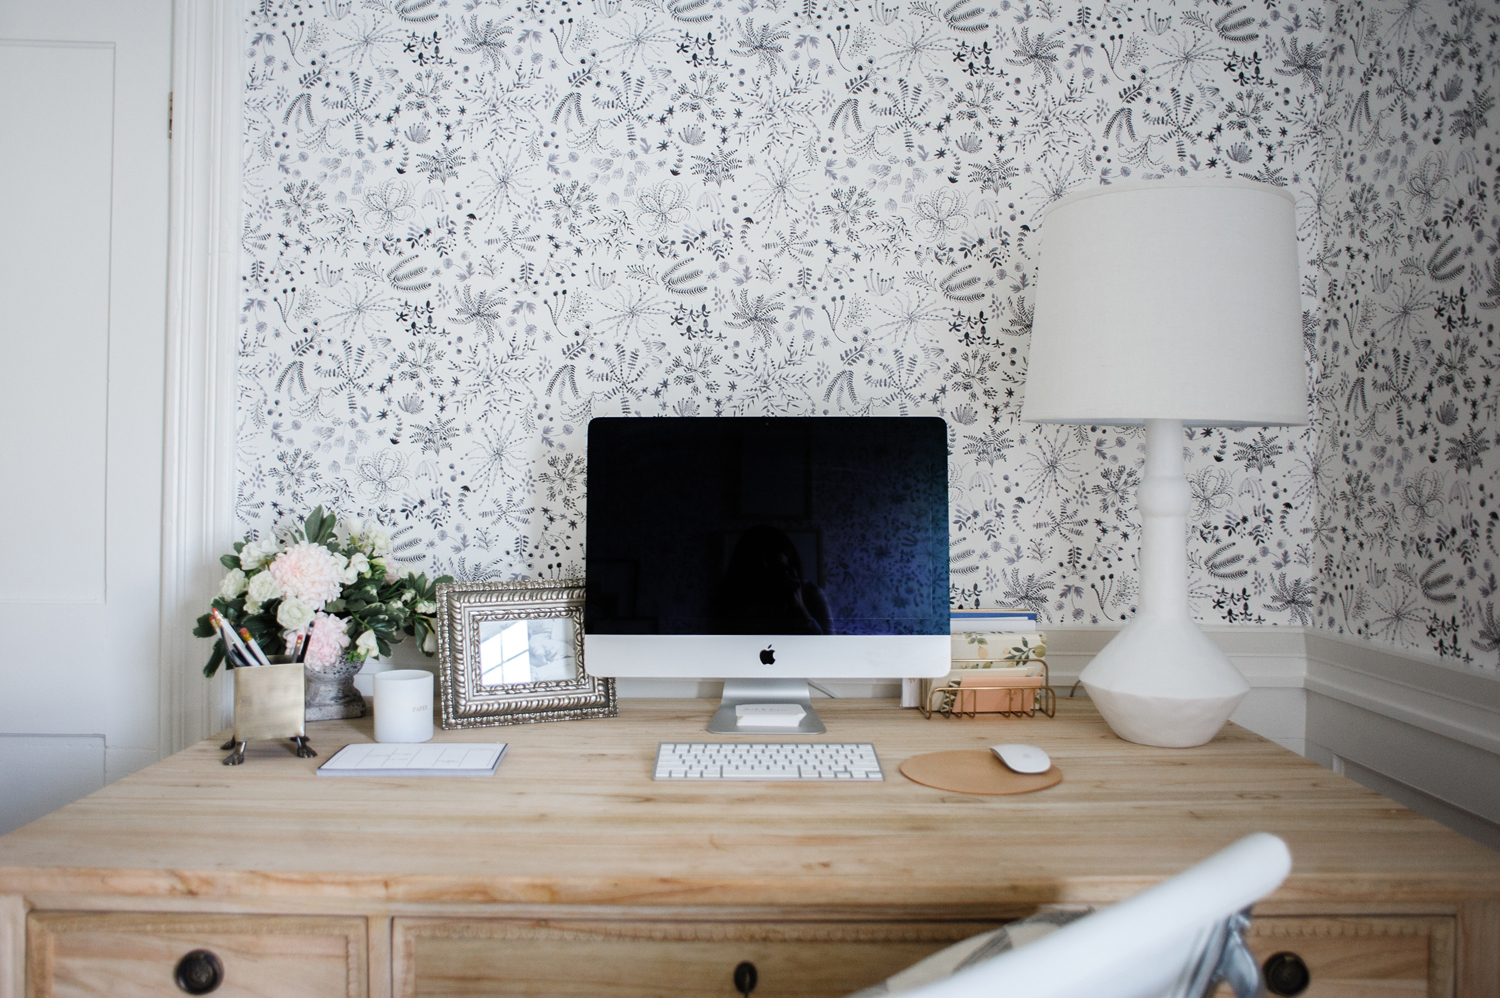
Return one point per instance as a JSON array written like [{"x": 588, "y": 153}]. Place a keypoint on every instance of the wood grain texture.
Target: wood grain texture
[
  {"x": 1479, "y": 949},
  {"x": 572, "y": 828},
  {"x": 128, "y": 955},
  {"x": 12, "y": 946},
  {"x": 380, "y": 956},
  {"x": 474, "y": 957},
  {"x": 1125, "y": 816},
  {"x": 1358, "y": 957}
]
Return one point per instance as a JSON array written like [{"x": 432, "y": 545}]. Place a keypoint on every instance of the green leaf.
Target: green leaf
[
  {"x": 214, "y": 659},
  {"x": 385, "y": 648},
  {"x": 204, "y": 628},
  {"x": 239, "y": 546},
  {"x": 319, "y": 526},
  {"x": 334, "y": 606},
  {"x": 230, "y": 561}
]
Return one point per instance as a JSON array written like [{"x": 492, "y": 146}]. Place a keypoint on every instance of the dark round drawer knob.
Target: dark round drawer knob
[
  {"x": 199, "y": 972},
  {"x": 1286, "y": 974},
  {"x": 745, "y": 978}
]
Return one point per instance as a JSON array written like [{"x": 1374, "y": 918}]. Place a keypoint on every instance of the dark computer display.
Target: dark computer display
[{"x": 767, "y": 526}]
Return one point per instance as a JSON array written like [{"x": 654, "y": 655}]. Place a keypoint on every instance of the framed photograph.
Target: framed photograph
[{"x": 512, "y": 653}]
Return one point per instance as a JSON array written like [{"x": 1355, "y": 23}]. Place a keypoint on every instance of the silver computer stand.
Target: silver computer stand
[{"x": 738, "y": 691}]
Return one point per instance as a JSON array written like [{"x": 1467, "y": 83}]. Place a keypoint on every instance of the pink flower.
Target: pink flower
[
  {"x": 327, "y": 642},
  {"x": 310, "y": 572}
]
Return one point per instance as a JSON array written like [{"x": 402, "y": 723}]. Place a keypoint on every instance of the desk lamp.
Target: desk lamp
[{"x": 1166, "y": 304}]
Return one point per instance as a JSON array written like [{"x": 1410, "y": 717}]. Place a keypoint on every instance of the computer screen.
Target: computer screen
[{"x": 767, "y": 547}]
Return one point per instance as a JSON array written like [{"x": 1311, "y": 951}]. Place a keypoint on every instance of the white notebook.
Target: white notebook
[{"x": 377, "y": 759}]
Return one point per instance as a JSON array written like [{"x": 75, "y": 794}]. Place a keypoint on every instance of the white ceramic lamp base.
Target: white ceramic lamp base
[{"x": 1163, "y": 682}]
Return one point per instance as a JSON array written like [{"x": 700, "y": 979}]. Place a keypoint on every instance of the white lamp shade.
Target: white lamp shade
[{"x": 1175, "y": 299}]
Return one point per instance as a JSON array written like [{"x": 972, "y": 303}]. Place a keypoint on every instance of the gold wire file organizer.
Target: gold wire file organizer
[{"x": 993, "y": 691}]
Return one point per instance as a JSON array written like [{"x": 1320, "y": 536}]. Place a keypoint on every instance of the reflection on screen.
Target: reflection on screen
[{"x": 767, "y": 526}]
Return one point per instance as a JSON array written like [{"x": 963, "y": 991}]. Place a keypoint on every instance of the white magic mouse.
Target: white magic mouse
[{"x": 1022, "y": 758}]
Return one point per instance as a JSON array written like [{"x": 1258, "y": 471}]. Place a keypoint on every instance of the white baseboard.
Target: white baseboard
[
  {"x": 1419, "y": 730},
  {"x": 1426, "y": 693},
  {"x": 1269, "y": 657}
]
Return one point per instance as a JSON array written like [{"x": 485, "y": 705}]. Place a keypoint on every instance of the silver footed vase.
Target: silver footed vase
[{"x": 330, "y": 690}]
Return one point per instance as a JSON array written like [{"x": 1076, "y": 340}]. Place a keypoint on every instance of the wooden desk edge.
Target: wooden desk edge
[{"x": 712, "y": 893}]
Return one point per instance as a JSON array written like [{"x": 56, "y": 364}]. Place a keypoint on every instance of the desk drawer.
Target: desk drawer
[
  {"x": 1392, "y": 957},
  {"x": 137, "y": 955},
  {"x": 503, "y": 957}
]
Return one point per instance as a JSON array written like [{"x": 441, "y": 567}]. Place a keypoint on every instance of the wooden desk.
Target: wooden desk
[{"x": 572, "y": 872}]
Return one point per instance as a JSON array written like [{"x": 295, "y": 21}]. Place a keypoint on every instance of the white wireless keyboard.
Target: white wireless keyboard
[{"x": 767, "y": 761}]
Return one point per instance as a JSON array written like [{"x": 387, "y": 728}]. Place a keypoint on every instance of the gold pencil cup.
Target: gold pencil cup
[{"x": 268, "y": 703}]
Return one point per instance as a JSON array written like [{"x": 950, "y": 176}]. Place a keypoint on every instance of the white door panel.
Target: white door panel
[
  {"x": 83, "y": 251},
  {"x": 54, "y": 265}
]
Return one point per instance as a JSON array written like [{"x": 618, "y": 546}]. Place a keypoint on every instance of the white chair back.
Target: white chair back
[{"x": 1174, "y": 940}]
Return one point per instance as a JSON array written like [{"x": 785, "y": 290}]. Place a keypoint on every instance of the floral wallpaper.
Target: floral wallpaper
[
  {"x": 471, "y": 226},
  {"x": 1406, "y": 473}
]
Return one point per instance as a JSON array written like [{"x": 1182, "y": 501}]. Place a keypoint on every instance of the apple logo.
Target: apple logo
[{"x": 767, "y": 656}]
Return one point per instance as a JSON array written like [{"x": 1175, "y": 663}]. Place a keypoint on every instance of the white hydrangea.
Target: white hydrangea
[
  {"x": 234, "y": 583},
  {"x": 256, "y": 554},
  {"x": 380, "y": 541},
  {"x": 293, "y": 614},
  {"x": 263, "y": 588},
  {"x": 371, "y": 536}
]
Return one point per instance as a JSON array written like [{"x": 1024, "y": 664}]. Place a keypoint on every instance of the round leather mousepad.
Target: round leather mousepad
[{"x": 974, "y": 771}]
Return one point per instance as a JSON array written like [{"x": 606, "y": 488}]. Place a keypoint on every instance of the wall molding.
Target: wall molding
[
  {"x": 1424, "y": 692},
  {"x": 1269, "y": 658},
  {"x": 202, "y": 292}
]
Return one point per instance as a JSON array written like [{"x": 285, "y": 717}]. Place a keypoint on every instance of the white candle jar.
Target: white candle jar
[{"x": 403, "y": 706}]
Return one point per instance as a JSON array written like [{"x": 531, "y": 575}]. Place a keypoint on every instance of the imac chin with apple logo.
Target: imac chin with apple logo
[{"x": 767, "y": 551}]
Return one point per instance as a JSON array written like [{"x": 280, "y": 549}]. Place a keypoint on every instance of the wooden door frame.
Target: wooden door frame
[{"x": 203, "y": 278}]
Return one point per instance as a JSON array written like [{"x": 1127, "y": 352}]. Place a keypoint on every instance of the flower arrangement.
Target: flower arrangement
[{"x": 335, "y": 587}]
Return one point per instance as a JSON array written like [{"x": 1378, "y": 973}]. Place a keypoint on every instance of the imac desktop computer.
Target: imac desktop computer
[{"x": 767, "y": 551}]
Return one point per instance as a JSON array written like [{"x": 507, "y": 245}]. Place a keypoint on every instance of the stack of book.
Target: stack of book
[{"x": 998, "y": 666}]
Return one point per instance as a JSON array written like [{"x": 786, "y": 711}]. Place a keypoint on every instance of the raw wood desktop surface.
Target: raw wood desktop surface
[{"x": 571, "y": 847}]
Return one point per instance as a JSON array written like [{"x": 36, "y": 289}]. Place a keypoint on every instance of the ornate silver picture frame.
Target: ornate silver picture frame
[{"x": 512, "y": 653}]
